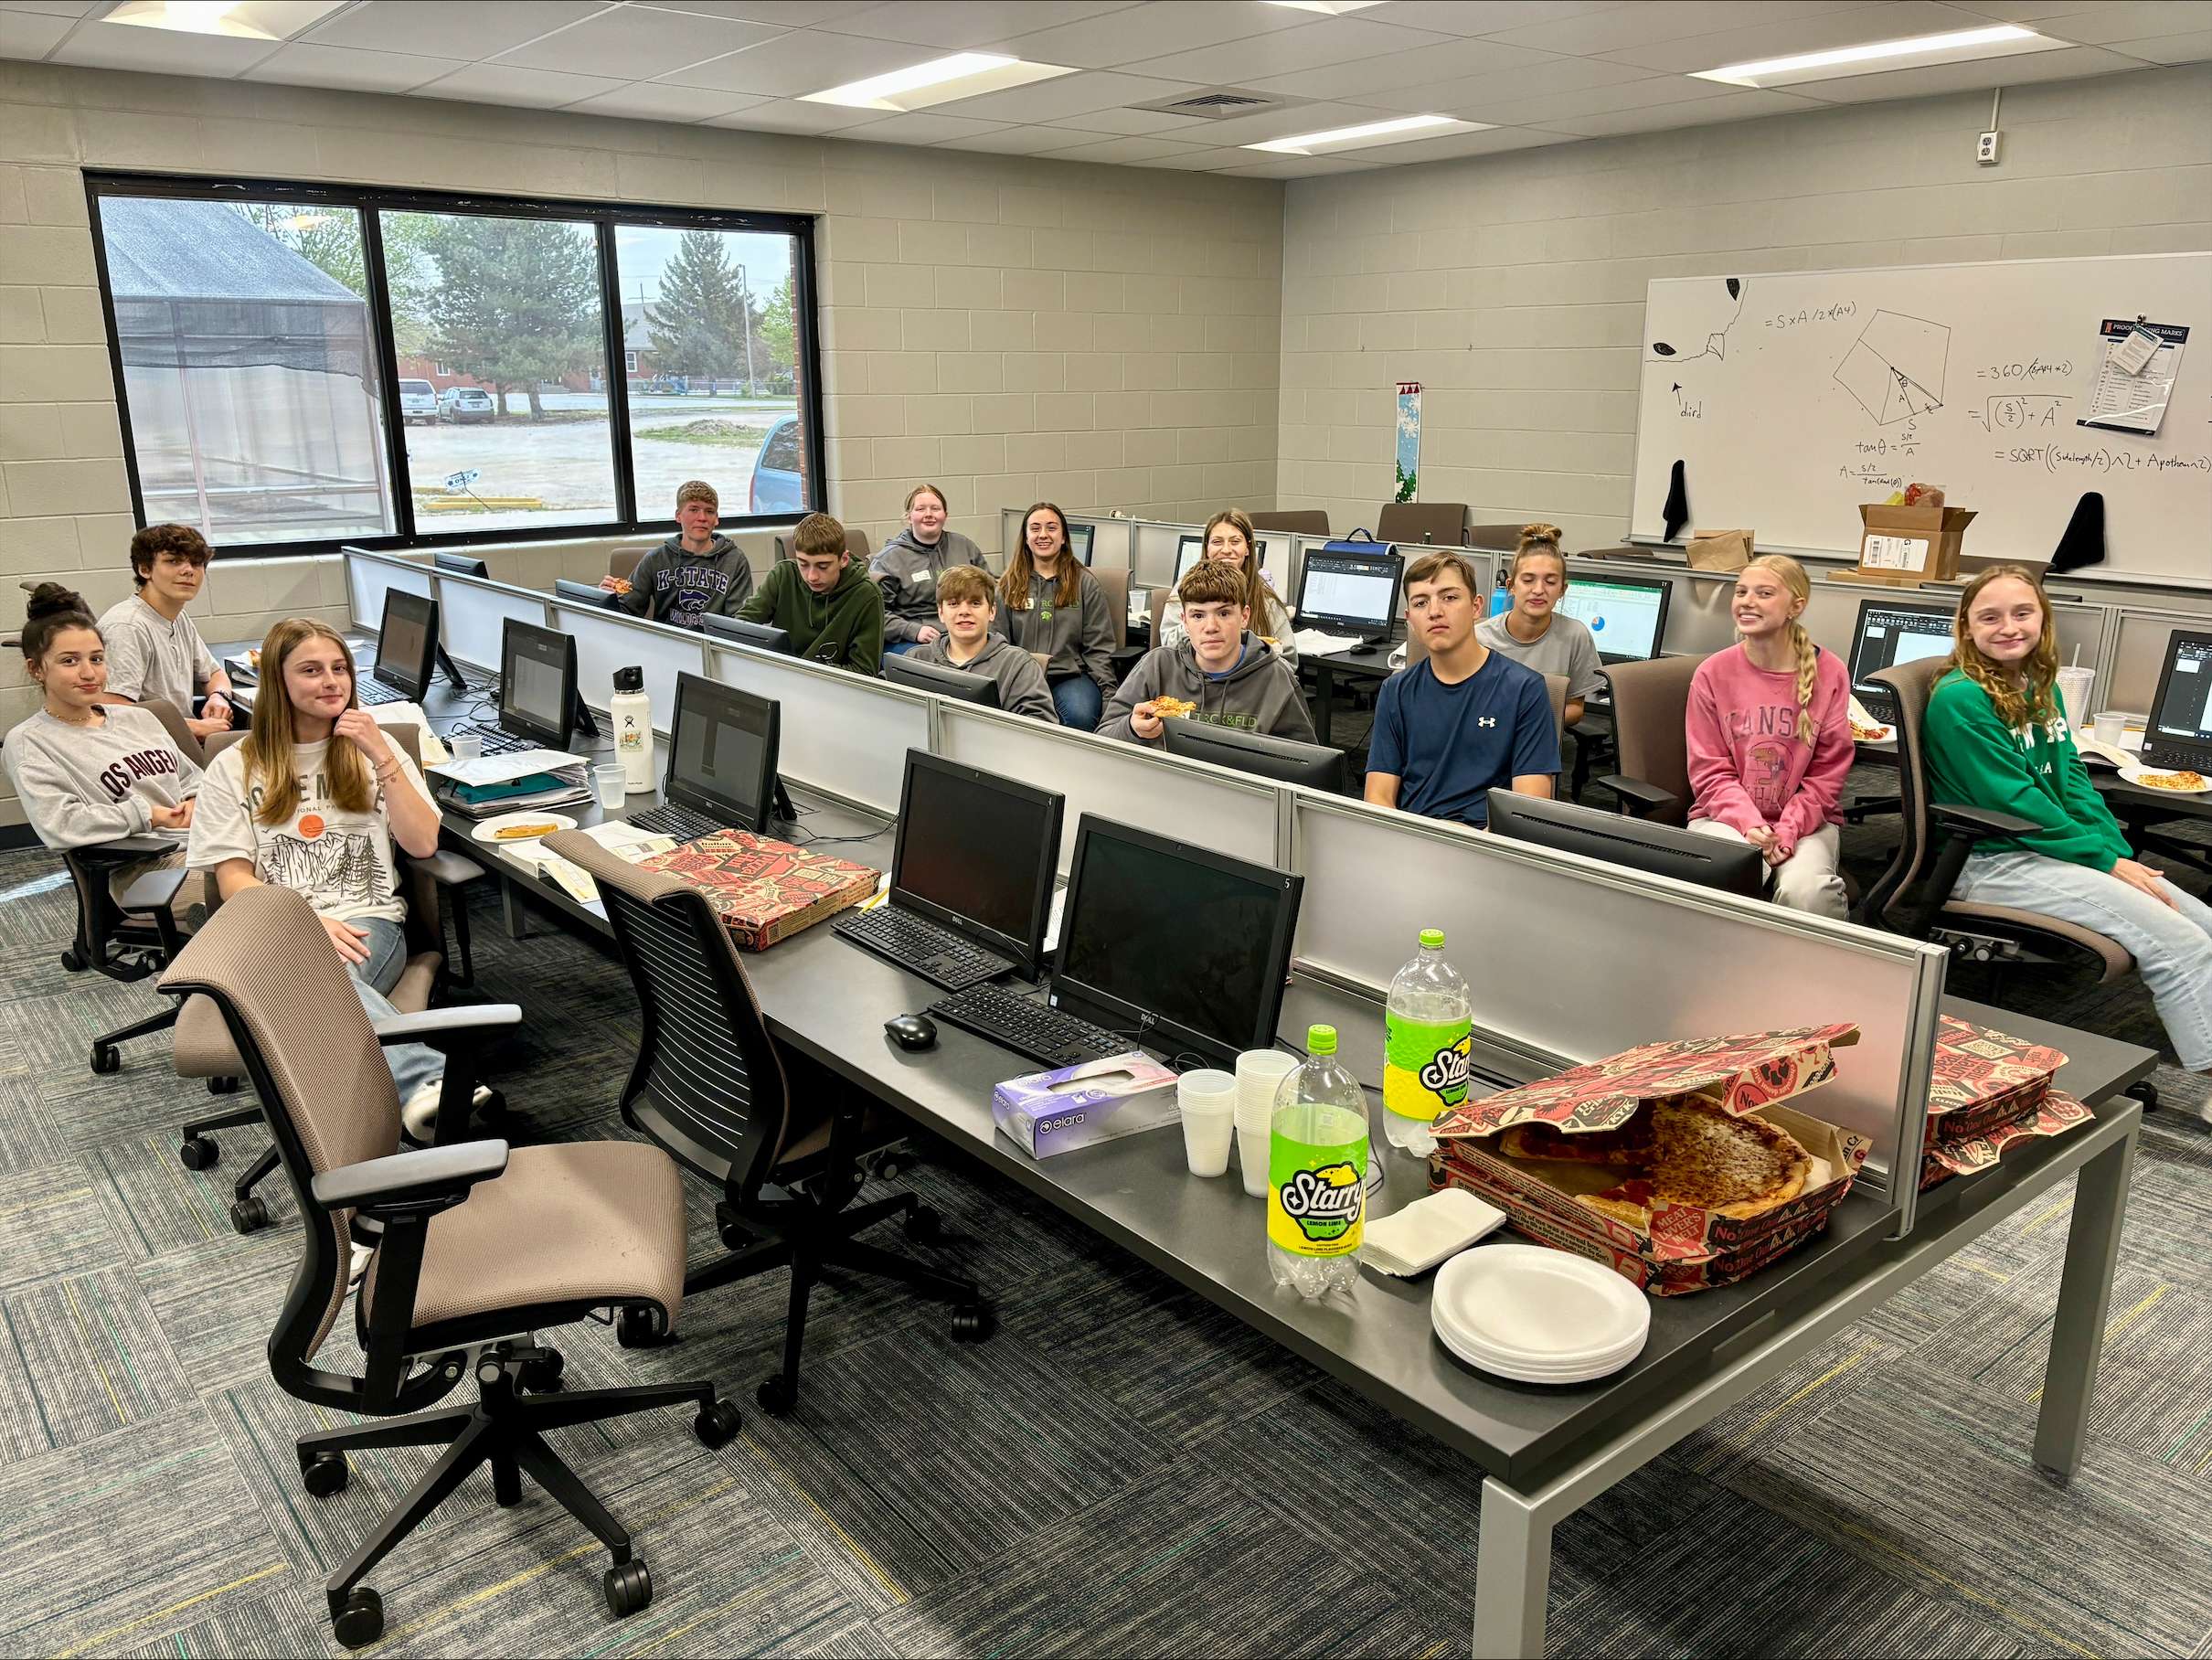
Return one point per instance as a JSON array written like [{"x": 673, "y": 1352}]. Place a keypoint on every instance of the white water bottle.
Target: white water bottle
[{"x": 631, "y": 712}]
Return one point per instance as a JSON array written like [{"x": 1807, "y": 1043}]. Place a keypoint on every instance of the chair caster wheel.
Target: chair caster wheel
[
  {"x": 2145, "y": 1092},
  {"x": 492, "y": 1114},
  {"x": 776, "y": 1397},
  {"x": 717, "y": 1424},
  {"x": 629, "y": 1587},
  {"x": 106, "y": 1058},
  {"x": 889, "y": 1165},
  {"x": 542, "y": 1376},
  {"x": 637, "y": 1328},
  {"x": 248, "y": 1215},
  {"x": 923, "y": 1225},
  {"x": 323, "y": 1473},
  {"x": 361, "y": 1622},
  {"x": 223, "y": 1086},
  {"x": 973, "y": 1322},
  {"x": 199, "y": 1154},
  {"x": 74, "y": 961},
  {"x": 733, "y": 1233}
]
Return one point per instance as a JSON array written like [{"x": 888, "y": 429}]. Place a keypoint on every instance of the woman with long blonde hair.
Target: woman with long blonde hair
[
  {"x": 311, "y": 799},
  {"x": 1049, "y": 604},
  {"x": 1230, "y": 536},
  {"x": 1996, "y": 737},
  {"x": 1769, "y": 731}
]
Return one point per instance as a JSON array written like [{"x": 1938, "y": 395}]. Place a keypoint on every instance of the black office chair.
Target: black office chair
[
  {"x": 718, "y": 1091},
  {"x": 473, "y": 1242}
]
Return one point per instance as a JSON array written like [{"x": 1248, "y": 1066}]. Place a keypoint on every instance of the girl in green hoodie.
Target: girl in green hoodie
[{"x": 1997, "y": 739}]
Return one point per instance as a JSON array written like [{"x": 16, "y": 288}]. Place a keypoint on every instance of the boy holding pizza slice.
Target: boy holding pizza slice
[{"x": 1219, "y": 672}]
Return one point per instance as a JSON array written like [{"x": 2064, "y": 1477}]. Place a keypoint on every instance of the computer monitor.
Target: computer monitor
[
  {"x": 1080, "y": 538},
  {"x": 537, "y": 683},
  {"x": 1190, "y": 547},
  {"x": 1627, "y": 618},
  {"x": 1281, "y": 757},
  {"x": 995, "y": 891},
  {"x": 900, "y": 669},
  {"x": 1891, "y": 631},
  {"x": 740, "y": 631},
  {"x": 1186, "y": 948},
  {"x": 2179, "y": 733},
  {"x": 1354, "y": 593},
  {"x": 407, "y": 644},
  {"x": 587, "y": 594},
  {"x": 461, "y": 564},
  {"x": 1661, "y": 850},
  {"x": 722, "y": 752}
]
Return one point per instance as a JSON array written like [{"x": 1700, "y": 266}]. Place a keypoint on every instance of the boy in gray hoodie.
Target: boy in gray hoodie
[
  {"x": 908, "y": 564},
  {"x": 1232, "y": 677},
  {"x": 966, "y": 603},
  {"x": 695, "y": 573}
]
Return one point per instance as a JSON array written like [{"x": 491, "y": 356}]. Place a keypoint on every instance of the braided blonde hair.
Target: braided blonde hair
[
  {"x": 2026, "y": 696},
  {"x": 1807, "y": 654}
]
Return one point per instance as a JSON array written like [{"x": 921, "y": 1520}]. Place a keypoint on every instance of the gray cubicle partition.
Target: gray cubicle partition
[
  {"x": 368, "y": 575},
  {"x": 852, "y": 743},
  {"x": 606, "y": 641},
  {"x": 2129, "y": 679},
  {"x": 473, "y": 615}
]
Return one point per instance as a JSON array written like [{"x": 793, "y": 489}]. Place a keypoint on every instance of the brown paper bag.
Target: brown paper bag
[{"x": 1721, "y": 549}]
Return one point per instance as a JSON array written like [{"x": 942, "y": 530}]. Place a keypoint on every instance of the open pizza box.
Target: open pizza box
[
  {"x": 1683, "y": 1247},
  {"x": 2054, "y": 1114}
]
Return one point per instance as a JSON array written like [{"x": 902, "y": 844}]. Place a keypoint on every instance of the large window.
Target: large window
[{"x": 302, "y": 365}]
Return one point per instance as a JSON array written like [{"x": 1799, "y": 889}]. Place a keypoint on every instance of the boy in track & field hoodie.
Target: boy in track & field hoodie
[{"x": 1233, "y": 677}]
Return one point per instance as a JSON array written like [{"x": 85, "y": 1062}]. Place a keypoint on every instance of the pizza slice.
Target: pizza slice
[{"x": 1168, "y": 708}]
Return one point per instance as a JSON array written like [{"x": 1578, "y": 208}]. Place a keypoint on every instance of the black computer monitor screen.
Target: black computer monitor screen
[
  {"x": 902, "y": 670},
  {"x": 1185, "y": 947},
  {"x": 1189, "y": 550},
  {"x": 1660, "y": 850},
  {"x": 995, "y": 889},
  {"x": 586, "y": 593},
  {"x": 407, "y": 642},
  {"x": 1355, "y": 591},
  {"x": 461, "y": 564},
  {"x": 2185, "y": 692},
  {"x": 1281, "y": 757},
  {"x": 722, "y": 752},
  {"x": 763, "y": 634},
  {"x": 536, "y": 681},
  {"x": 1890, "y": 633},
  {"x": 1079, "y": 540},
  {"x": 1628, "y": 620}
]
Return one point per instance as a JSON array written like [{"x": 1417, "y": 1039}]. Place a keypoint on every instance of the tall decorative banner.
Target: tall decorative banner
[{"x": 1408, "y": 441}]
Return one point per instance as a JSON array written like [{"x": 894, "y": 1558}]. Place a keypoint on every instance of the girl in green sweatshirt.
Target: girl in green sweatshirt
[{"x": 1996, "y": 738}]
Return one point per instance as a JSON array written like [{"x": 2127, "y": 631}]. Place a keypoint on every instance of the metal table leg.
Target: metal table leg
[
  {"x": 1324, "y": 699},
  {"x": 2085, "y": 1291},
  {"x": 512, "y": 908},
  {"x": 1511, "y": 1575}
]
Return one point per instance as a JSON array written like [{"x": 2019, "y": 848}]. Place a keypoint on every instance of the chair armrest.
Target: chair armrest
[
  {"x": 152, "y": 891},
  {"x": 442, "y": 1022},
  {"x": 1638, "y": 799},
  {"x": 449, "y": 870},
  {"x": 1979, "y": 821},
  {"x": 125, "y": 848},
  {"x": 430, "y": 1176}
]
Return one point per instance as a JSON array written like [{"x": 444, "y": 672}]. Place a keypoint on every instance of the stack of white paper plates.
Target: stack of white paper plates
[{"x": 1539, "y": 1315}]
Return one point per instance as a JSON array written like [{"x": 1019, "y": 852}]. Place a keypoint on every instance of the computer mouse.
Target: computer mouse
[{"x": 913, "y": 1031}]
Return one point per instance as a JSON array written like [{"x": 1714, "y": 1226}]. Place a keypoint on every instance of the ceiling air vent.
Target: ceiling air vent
[{"x": 1218, "y": 103}]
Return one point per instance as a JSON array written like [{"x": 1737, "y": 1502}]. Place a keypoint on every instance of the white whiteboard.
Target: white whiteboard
[{"x": 1791, "y": 398}]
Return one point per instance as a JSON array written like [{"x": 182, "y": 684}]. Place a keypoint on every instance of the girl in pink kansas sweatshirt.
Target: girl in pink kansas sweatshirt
[{"x": 1768, "y": 729}]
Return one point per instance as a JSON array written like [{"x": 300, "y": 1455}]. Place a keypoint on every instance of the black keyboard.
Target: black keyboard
[
  {"x": 371, "y": 692},
  {"x": 681, "y": 822},
  {"x": 1045, "y": 1034},
  {"x": 938, "y": 955},
  {"x": 498, "y": 741},
  {"x": 2172, "y": 757}
]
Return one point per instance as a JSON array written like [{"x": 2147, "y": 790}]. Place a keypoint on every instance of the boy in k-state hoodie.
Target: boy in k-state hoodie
[
  {"x": 696, "y": 572},
  {"x": 1234, "y": 677}
]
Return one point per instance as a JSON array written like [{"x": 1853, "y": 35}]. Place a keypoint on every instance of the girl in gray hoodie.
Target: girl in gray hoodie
[
  {"x": 1050, "y": 604},
  {"x": 90, "y": 772},
  {"x": 908, "y": 564}
]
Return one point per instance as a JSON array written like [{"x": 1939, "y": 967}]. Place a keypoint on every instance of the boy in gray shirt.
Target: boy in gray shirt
[
  {"x": 966, "y": 603},
  {"x": 153, "y": 650},
  {"x": 1221, "y": 673}
]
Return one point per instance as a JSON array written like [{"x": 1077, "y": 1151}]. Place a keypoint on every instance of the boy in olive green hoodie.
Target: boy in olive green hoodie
[{"x": 831, "y": 608}]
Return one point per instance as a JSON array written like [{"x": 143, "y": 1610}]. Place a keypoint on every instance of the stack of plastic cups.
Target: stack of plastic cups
[
  {"x": 1259, "y": 1075},
  {"x": 1207, "y": 1099}
]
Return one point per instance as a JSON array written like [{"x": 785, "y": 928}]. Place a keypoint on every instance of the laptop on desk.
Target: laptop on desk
[
  {"x": 2178, "y": 736},
  {"x": 1351, "y": 594},
  {"x": 1626, "y": 618}
]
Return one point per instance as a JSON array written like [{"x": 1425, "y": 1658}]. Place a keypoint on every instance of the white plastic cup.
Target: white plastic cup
[
  {"x": 465, "y": 746},
  {"x": 2111, "y": 728},
  {"x": 2073, "y": 684},
  {"x": 1208, "y": 1100},
  {"x": 608, "y": 779},
  {"x": 1259, "y": 1075}
]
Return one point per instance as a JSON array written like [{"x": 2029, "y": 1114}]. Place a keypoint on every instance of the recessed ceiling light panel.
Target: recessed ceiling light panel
[
  {"x": 237, "y": 19},
  {"x": 1327, "y": 8},
  {"x": 2000, "y": 40},
  {"x": 940, "y": 81},
  {"x": 1370, "y": 134}
]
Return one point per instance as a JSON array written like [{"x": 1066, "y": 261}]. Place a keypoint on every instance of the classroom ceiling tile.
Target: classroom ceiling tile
[
  {"x": 1597, "y": 101},
  {"x": 1125, "y": 150},
  {"x": 1453, "y": 60},
  {"x": 1133, "y": 123},
  {"x": 2170, "y": 48},
  {"x": 1861, "y": 26},
  {"x": 1488, "y": 17},
  {"x": 637, "y": 45},
  {"x": 2036, "y": 13},
  {"x": 1623, "y": 27},
  {"x": 1493, "y": 141},
  {"x": 52, "y": 8},
  {"x": 1069, "y": 95},
  {"x": 1469, "y": 97},
  {"x": 1740, "y": 105},
  {"x": 1299, "y": 166},
  {"x": 31, "y": 34},
  {"x": 928, "y": 127},
  {"x": 2065, "y": 64},
  {"x": 1330, "y": 40},
  {"x": 124, "y": 46},
  {"x": 464, "y": 29},
  {"x": 658, "y": 101},
  {"x": 1156, "y": 28},
  {"x": 2126, "y": 20},
  {"x": 1210, "y": 160},
  {"x": 1264, "y": 125},
  {"x": 789, "y": 115},
  {"x": 1024, "y": 141},
  {"x": 782, "y": 14},
  {"x": 303, "y": 64},
  {"x": 793, "y": 65},
  {"x": 961, "y": 25},
  {"x": 532, "y": 89}
]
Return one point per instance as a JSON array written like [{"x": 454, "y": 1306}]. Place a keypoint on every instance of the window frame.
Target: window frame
[{"x": 605, "y": 219}]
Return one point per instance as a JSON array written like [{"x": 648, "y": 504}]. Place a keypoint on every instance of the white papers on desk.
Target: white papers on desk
[
  {"x": 625, "y": 840},
  {"x": 480, "y": 769},
  {"x": 1313, "y": 642}
]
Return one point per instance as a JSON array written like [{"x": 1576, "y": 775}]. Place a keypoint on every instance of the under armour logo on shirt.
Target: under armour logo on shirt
[{"x": 1486, "y": 720}]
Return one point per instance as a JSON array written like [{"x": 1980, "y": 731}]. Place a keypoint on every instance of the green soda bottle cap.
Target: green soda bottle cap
[
  {"x": 1321, "y": 1039},
  {"x": 1432, "y": 938}
]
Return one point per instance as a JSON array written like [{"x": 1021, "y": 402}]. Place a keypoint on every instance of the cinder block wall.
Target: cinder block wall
[{"x": 1513, "y": 286}]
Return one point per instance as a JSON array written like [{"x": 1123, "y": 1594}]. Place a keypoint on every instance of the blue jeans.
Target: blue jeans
[
  {"x": 2172, "y": 945},
  {"x": 899, "y": 648},
  {"x": 412, "y": 1064},
  {"x": 1079, "y": 701}
]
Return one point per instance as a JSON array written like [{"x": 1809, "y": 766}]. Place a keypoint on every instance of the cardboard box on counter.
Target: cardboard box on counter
[
  {"x": 2054, "y": 1114},
  {"x": 1983, "y": 1079},
  {"x": 1909, "y": 546}
]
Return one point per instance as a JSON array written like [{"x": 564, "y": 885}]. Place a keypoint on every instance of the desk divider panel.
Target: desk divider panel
[
  {"x": 1152, "y": 558},
  {"x": 1125, "y": 782},
  {"x": 472, "y": 615},
  {"x": 840, "y": 732},
  {"x": 1571, "y": 957},
  {"x": 368, "y": 575},
  {"x": 606, "y": 641},
  {"x": 2139, "y": 654}
]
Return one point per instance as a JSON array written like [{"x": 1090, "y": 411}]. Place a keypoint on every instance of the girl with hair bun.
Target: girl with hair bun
[
  {"x": 1769, "y": 731},
  {"x": 1533, "y": 632},
  {"x": 88, "y": 770}
]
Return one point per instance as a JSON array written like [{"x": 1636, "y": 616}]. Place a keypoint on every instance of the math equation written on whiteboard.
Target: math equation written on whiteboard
[{"x": 2054, "y": 458}]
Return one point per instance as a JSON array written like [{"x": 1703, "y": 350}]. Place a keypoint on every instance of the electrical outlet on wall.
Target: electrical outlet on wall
[{"x": 1985, "y": 149}]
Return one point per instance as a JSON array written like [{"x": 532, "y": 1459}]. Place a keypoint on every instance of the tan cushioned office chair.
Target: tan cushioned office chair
[
  {"x": 856, "y": 544},
  {"x": 623, "y": 562},
  {"x": 1651, "y": 741},
  {"x": 1495, "y": 539},
  {"x": 1444, "y": 523},
  {"x": 1114, "y": 580},
  {"x": 473, "y": 1242},
  {"x": 1299, "y": 521}
]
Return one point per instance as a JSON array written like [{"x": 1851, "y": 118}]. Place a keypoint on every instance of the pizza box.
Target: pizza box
[
  {"x": 1983, "y": 1079},
  {"x": 763, "y": 889},
  {"x": 2053, "y": 1113}
]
